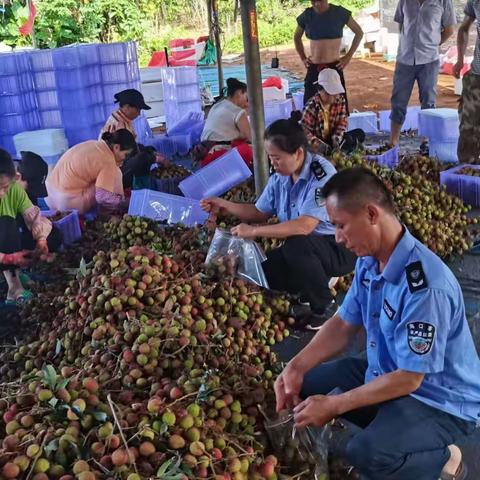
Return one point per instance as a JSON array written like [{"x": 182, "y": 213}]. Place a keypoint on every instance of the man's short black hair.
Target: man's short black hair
[
  {"x": 7, "y": 167},
  {"x": 357, "y": 186}
]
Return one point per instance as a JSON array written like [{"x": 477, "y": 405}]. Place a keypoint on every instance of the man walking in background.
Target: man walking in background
[
  {"x": 424, "y": 26},
  {"x": 469, "y": 142}
]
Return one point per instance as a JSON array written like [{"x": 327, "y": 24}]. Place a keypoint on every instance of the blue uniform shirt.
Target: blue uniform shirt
[
  {"x": 288, "y": 200},
  {"x": 414, "y": 316}
]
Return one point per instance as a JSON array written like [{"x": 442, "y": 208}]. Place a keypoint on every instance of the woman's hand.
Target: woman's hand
[
  {"x": 42, "y": 247},
  {"x": 343, "y": 62},
  {"x": 214, "y": 205},
  {"x": 243, "y": 230}
]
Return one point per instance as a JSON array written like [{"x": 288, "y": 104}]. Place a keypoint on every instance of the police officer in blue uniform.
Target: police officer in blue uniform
[
  {"x": 418, "y": 392},
  {"x": 310, "y": 255}
]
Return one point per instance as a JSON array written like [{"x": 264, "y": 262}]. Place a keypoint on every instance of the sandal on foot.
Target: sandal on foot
[{"x": 460, "y": 474}]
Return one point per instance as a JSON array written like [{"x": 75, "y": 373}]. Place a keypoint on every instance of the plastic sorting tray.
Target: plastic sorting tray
[
  {"x": 445, "y": 151},
  {"x": 367, "y": 121},
  {"x": 466, "y": 187},
  {"x": 69, "y": 225},
  {"x": 388, "y": 159},
  {"x": 439, "y": 124},
  {"x": 217, "y": 177},
  {"x": 166, "y": 208},
  {"x": 298, "y": 100}
]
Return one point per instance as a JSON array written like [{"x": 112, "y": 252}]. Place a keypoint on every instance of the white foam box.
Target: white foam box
[
  {"x": 157, "y": 109},
  {"x": 152, "y": 92},
  {"x": 367, "y": 121},
  {"x": 151, "y": 74}
]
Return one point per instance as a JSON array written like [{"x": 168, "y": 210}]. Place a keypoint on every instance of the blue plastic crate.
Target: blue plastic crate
[
  {"x": 16, "y": 84},
  {"x": 83, "y": 117},
  {"x": 13, "y": 124},
  {"x": 41, "y": 60},
  {"x": 439, "y": 124},
  {"x": 47, "y": 100},
  {"x": 298, "y": 100},
  {"x": 50, "y": 119},
  {"x": 388, "y": 159},
  {"x": 466, "y": 187},
  {"x": 367, "y": 121},
  {"x": 44, "y": 80},
  {"x": 181, "y": 93},
  {"x": 69, "y": 225},
  {"x": 18, "y": 104},
  {"x": 277, "y": 110},
  {"x": 167, "y": 208},
  {"x": 183, "y": 143},
  {"x": 78, "y": 135},
  {"x": 445, "y": 151},
  {"x": 76, "y": 56},
  {"x": 217, "y": 177},
  {"x": 117, "y": 52},
  {"x": 187, "y": 123},
  {"x": 180, "y": 76},
  {"x": 168, "y": 185},
  {"x": 85, "y": 97},
  {"x": 78, "y": 78},
  {"x": 120, "y": 72},
  {"x": 13, "y": 63},
  {"x": 6, "y": 142},
  {"x": 144, "y": 132}
]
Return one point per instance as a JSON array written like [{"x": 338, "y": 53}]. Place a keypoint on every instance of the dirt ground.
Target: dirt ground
[{"x": 369, "y": 81}]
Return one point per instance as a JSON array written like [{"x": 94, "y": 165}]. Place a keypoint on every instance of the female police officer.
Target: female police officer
[{"x": 310, "y": 254}]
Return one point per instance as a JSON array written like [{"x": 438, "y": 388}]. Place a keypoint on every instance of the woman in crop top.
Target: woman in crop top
[{"x": 323, "y": 25}]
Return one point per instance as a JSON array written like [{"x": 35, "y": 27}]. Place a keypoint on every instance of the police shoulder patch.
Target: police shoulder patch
[
  {"x": 420, "y": 336},
  {"x": 416, "y": 277},
  {"x": 318, "y": 170},
  {"x": 319, "y": 200}
]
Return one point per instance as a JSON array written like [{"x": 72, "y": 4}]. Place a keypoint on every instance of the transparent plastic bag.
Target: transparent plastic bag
[
  {"x": 304, "y": 451},
  {"x": 237, "y": 256}
]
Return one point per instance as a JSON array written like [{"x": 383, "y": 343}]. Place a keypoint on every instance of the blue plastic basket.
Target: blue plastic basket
[
  {"x": 47, "y": 100},
  {"x": 388, "y": 159},
  {"x": 17, "y": 104},
  {"x": 168, "y": 185},
  {"x": 410, "y": 123},
  {"x": 120, "y": 72},
  {"x": 117, "y": 52},
  {"x": 83, "y": 117},
  {"x": 69, "y": 225},
  {"x": 367, "y": 121},
  {"x": 466, "y": 187},
  {"x": 41, "y": 60},
  {"x": 44, "y": 80},
  {"x": 50, "y": 119},
  {"x": 85, "y": 97},
  {"x": 79, "y": 78},
  {"x": 78, "y": 135},
  {"x": 16, "y": 123},
  {"x": 16, "y": 84},
  {"x": 167, "y": 208},
  {"x": 217, "y": 177},
  {"x": 439, "y": 124},
  {"x": 76, "y": 56},
  {"x": 445, "y": 151},
  {"x": 13, "y": 63}
]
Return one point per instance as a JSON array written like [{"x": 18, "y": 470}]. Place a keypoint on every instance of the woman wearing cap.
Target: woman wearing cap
[
  {"x": 323, "y": 25},
  {"x": 325, "y": 117},
  {"x": 227, "y": 126},
  {"x": 131, "y": 102},
  {"x": 14, "y": 202},
  {"x": 310, "y": 256},
  {"x": 89, "y": 174}
]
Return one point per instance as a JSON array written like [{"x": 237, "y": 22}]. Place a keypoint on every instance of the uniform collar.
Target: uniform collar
[
  {"x": 398, "y": 259},
  {"x": 305, "y": 173}
]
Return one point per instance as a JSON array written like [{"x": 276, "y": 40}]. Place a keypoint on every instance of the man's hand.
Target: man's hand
[
  {"x": 213, "y": 205},
  {"x": 287, "y": 388},
  {"x": 317, "y": 410},
  {"x": 343, "y": 62},
  {"x": 18, "y": 259},
  {"x": 243, "y": 230},
  {"x": 42, "y": 247},
  {"x": 457, "y": 68},
  {"x": 307, "y": 61}
]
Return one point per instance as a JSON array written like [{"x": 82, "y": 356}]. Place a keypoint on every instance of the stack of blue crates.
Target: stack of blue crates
[
  {"x": 181, "y": 93},
  {"x": 70, "y": 87},
  {"x": 18, "y": 106}
]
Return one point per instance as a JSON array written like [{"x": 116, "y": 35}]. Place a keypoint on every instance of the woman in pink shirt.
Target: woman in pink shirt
[{"x": 89, "y": 174}]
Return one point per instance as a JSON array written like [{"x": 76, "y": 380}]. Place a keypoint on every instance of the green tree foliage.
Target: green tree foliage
[{"x": 153, "y": 23}]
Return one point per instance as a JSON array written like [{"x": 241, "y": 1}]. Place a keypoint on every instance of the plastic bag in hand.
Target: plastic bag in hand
[
  {"x": 235, "y": 255},
  {"x": 303, "y": 450}
]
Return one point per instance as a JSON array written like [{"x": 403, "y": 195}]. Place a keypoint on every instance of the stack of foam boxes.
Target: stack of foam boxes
[
  {"x": 18, "y": 106},
  {"x": 70, "y": 87}
]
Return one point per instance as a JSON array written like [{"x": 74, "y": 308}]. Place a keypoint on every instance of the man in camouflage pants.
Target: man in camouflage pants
[{"x": 469, "y": 141}]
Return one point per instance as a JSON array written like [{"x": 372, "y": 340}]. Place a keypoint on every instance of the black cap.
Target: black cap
[
  {"x": 131, "y": 97},
  {"x": 34, "y": 171}
]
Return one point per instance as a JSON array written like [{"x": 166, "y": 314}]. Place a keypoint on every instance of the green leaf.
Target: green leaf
[
  {"x": 164, "y": 467},
  {"x": 50, "y": 376},
  {"x": 63, "y": 383},
  {"x": 83, "y": 268},
  {"x": 53, "y": 402}
]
